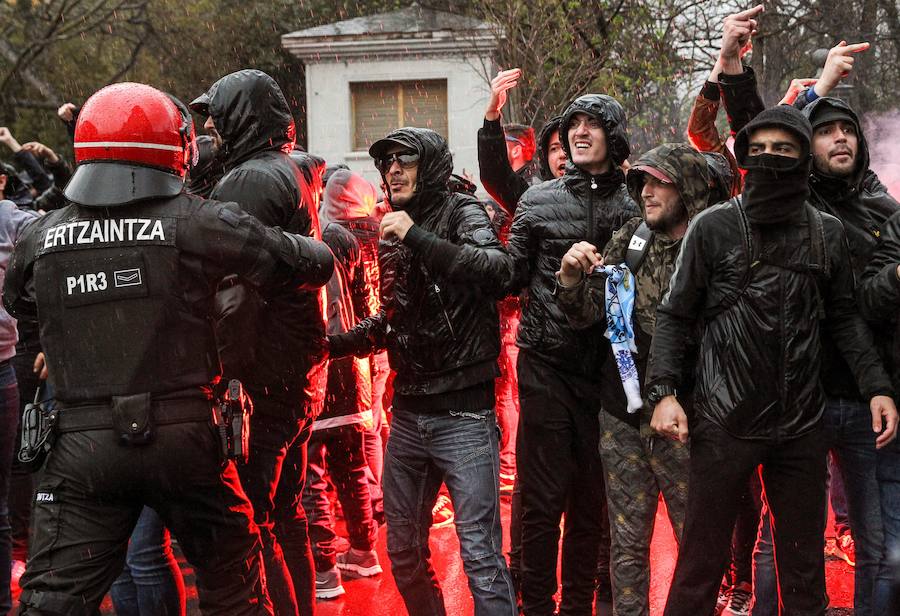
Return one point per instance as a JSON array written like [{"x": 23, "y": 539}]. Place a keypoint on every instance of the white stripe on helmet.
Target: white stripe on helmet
[{"x": 130, "y": 144}]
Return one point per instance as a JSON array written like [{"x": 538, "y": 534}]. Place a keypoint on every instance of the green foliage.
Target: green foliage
[
  {"x": 181, "y": 47},
  {"x": 618, "y": 48},
  {"x": 650, "y": 54}
]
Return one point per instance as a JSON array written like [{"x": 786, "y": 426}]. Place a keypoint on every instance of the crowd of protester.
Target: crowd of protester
[{"x": 711, "y": 322}]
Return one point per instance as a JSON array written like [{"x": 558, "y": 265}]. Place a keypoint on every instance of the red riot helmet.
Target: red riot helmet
[{"x": 132, "y": 142}]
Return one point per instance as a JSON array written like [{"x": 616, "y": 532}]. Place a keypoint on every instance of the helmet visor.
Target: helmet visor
[{"x": 103, "y": 184}]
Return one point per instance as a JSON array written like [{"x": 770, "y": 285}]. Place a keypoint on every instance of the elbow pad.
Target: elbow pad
[{"x": 312, "y": 262}]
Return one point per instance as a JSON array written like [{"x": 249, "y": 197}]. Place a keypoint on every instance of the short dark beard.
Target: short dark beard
[
  {"x": 669, "y": 220},
  {"x": 821, "y": 165}
]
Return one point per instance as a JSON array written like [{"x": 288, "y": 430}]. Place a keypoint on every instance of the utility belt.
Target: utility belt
[{"x": 133, "y": 418}]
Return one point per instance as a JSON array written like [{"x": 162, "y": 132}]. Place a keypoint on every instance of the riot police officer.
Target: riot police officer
[{"x": 122, "y": 281}]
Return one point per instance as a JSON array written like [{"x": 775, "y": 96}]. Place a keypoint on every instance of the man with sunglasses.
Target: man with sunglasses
[{"x": 442, "y": 270}]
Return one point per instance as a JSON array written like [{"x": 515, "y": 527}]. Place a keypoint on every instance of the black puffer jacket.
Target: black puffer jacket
[
  {"x": 863, "y": 205},
  {"x": 438, "y": 317},
  {"x": 760, "y": 350},
  {"x": 254, "y": 120},
  {"x": 549, "y": 219}
]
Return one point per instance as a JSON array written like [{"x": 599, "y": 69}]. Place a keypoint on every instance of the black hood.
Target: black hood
[
  {"x": 780, "y": 116},
  {"x": 827, "y": 107},
  {"x": 775, "y": 187},
  {"x": 435, "y": 160},
  {"x": 612, "y": 117},
  {"x": 250, "y": 113},
  {"x": 547, "y": 131}
]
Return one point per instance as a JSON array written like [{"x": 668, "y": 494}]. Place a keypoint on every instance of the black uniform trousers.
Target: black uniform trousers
[
  {"x": 560, "y": 472},
  {"x": 90, "y": 495},
  {"x": 793, "y": 478}
]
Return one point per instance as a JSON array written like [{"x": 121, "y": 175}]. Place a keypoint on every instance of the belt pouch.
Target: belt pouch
[{"x": 132, "y": 419}]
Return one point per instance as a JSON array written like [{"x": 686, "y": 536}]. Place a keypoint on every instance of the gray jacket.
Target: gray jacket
[{"x": 12, "y": 222}]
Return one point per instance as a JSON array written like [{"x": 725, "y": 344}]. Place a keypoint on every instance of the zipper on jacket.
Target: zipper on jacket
[
  {"x": 590, "y": 213},
  {"x": 784, "y": 384},
  {"x": 437, "y": 290}
]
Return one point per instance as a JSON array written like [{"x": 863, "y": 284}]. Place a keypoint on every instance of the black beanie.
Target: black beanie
[{"x": 826, "y": 111}]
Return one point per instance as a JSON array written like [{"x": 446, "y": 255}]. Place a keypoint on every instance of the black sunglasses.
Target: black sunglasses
[{"x": 406, "y": 160}]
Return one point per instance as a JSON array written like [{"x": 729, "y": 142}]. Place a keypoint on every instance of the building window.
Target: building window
[{"x": 382, "y": 106}]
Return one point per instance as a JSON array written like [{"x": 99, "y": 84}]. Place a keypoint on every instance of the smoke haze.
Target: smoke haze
[{"x": 883, "y": 136}]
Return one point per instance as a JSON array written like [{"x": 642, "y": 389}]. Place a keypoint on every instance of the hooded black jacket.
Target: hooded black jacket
[
  {"x": 549, "y": 219},
  {"x": 760, "y": 355},
  {"x": 863, "y": 205},
  {"x": 257, "y": 129},
  {"x": 438, "y": 318}
]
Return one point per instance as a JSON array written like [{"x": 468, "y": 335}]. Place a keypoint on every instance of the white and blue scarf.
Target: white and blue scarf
[{"x": 620, "y": 330}]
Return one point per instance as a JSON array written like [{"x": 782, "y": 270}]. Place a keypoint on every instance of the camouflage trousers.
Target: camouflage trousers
[{"x": 638, "y": 467}]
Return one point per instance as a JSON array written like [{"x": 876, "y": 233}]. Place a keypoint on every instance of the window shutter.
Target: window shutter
[
  {"x": 425, "y": 104},
  {"x": 374, "y": 112},
  {"x": 382, "y": 106}
]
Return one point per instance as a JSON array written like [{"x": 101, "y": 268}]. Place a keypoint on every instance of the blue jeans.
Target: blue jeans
[
  {"x": 460, "y": 449},
  {"x": 9, "y": 421},
  {"x": 151, "y": 583},
  {"x": 765, "y": 582},
  {"x": 838, "y": 496},
  {"x": 887, "y": 586},
  {"x": 848, "y": 430}
]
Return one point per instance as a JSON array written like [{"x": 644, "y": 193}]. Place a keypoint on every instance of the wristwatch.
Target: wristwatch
[{"x": 658, "y": 392}]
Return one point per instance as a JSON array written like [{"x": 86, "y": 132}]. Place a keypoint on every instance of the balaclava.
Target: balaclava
[{"x": 775, "y": 187}]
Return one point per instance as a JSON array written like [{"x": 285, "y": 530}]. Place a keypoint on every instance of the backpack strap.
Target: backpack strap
[
  {"x": 820, "y": 263},
  {"x": 747, "y": 241},
  {"x": 638, "y": 246}
]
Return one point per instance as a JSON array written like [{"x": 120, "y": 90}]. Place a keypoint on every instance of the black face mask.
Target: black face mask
[{"x": 775, "y": 188}]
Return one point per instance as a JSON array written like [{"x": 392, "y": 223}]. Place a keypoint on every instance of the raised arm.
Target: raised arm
[
  {"x": 497, "y": 175},
  {"x": 737, "y": 82}
]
